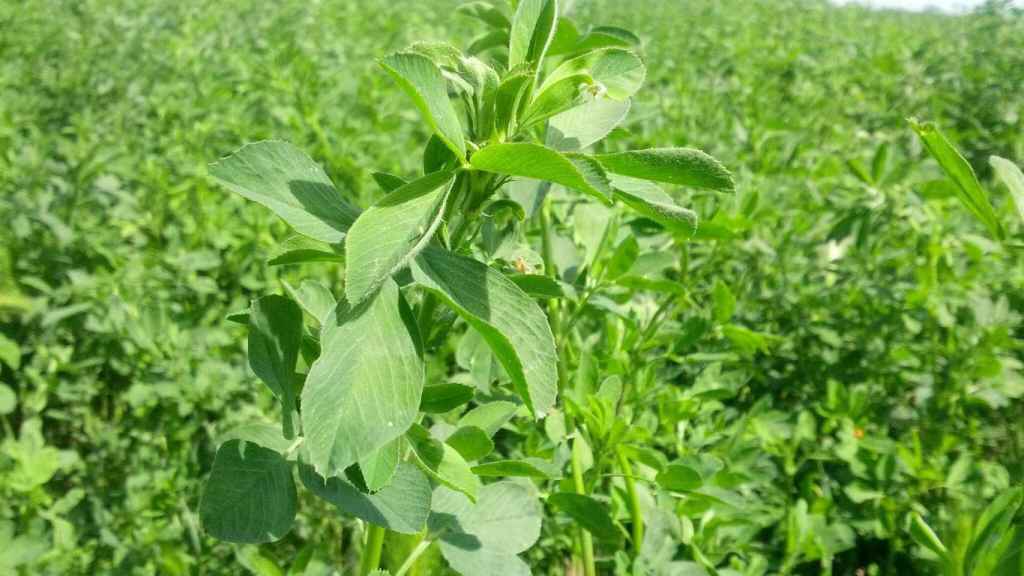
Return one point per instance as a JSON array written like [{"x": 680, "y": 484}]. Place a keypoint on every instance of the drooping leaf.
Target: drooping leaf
[
  {"x": 391, "y": 232},
  {"x": 682, "y": 166},
  {"x": 528, "y": 160},
  {"x": 485, "y": 538},
  {"x": 588, "y": 513},
  {"x": 421, "y": 79},
  {"x": 652, "y": 202},
  {"x": 969, "y": 190},
  {"x": 285, "y": 180},
  {"x": 402, "y": 506},
  {"x": 275, "y": 334},
  {"x": 511, "y": 322},
  {"x": 364, "y": 390},
  {"x": 533, "y": 27},
  {"x": 442, "y": 462},
  {"x": 249, "y": 496},
  {"x": 1013, "y": 179}
]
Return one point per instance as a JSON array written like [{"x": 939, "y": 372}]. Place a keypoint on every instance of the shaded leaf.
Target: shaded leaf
[{"x": 401, "y": 506}]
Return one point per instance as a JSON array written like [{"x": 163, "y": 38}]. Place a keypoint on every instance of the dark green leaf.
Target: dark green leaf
[
  {"x": 401, "y": 506},
  {"x": 421, "y": 79},
  {"x": 682, "y": 166},
  {"x": 275, "y": 334}
]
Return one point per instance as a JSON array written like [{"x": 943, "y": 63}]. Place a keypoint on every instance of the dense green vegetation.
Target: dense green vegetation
[{"x": 834, "y": 353}]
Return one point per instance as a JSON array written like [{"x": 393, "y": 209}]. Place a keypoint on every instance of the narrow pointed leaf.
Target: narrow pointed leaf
[
  {"x": 651, "y": 201},
  {"x": 682, "y": 166},
  {"x": 527, "y": 468},
  {"x": 364, "y": 390},
  {"x": 511, "y": 322},
  {"x": 391, "y": 232},
  {"x": 250, "y": 495},
  {"x": 421, "y": 79},
  {"x": 969, "y": 190},
  {"x": 533, "y": 27},
  {"x": 314, "y": 298},
  {"x": 275, "y": 334},
  {"x": 302, "y": 249},
  {"x": 528, "y": 160},
  {"x": 592, "y": 515},
  {"x": 923, "y": 534},
  {"x": 402, "y": 506},
  {"x": 1013, "y": 178},
  {"x": 285, "y": 180},
  {"x": 442, "y": 462}
]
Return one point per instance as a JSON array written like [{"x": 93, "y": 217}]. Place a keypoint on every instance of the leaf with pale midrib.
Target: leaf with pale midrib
[
  {"x": 421, "y": 79},
  {"x": 535, "y": 161},
  {"x": 401, "y": 506},
  {"x": 682, "y": 166}
]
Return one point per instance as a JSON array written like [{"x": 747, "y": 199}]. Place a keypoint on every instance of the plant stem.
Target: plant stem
[
  {"x": 413, "y": 556},
  {"x": 372, "y": 551},
  {"x": 554, "y": 310},
  {"x": 577, "y": 475},
  {"x": 634, "y": 502}
]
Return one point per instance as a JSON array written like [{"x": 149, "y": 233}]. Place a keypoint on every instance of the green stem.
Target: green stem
[
  {"x": 413, "y": 556},
  {"x": 589, "y": 568},
  {"x": 554, "y": 309},
  {"x": 634, "y": 502},
  {"x": 372, "y": 552}
]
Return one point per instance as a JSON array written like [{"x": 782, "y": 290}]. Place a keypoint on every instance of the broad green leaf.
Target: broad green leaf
[
  {"x": 623, "y": 258},
  {"x": 527, "y": 468},
  {"x": 302, "y": 249},
  {"x": 652, "y": 202},
  {"x": 391, "y": 232},
  {"x": 485, "y": 538},
  {"x": 437, "y": 157},
  {"x": 509, "y": 320},
  {"x": 1013, "y": 178},
  {"x": 379, "y": 467},
  {"x": 923, "y": 534},
  {"x": 539, "y": 286},
  {"x": 556, "y": 98},
  {"x": 969, "y": 190},
  {"x": 607, "y": 36},
  {"x": 533, "y": 27},
  {"x": 682, "y": 166},
  {"x": 314, "y": 298},
  {"x": 471, "y": 442},
  {"x": 8, "y": 400},
  {"x": 275, "y": 334},
  {"x": 441, "y": 398},
  {"x": 584, "y": 125},
  {"x": 421, "y": 79},
  {"x": 528, "y": 160},
  {"x": 10, "y": 352},
  {"x": 489, "y": 417},
  {"x": 724, "y": 301},
  {"x": 507, "y": 101},
  {"x": 488, "y": 40},
  {"x": 364, "y": 390},
  {"x": 285, "y": 180},
  {"x": 390, "y": 182},
  {"x": 618, "y": 73},
  {"x": 249, "y": 496},
  {"x": 401, "y": 506},
  {"x": 679, "y": 478},
  {"x": 442, "y": 462},
  {"x": 265, "y": 435},
  {"x": 588, "y": 513},
  {"x": 485, "y": 12}
]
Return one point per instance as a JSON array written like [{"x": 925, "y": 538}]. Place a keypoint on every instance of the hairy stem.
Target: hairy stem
[{"x": 372, "y": 551}]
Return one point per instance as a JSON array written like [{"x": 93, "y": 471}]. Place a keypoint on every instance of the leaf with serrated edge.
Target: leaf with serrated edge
[
  {"x": 682, "y": 166},
  {"x": 651, "y": 201},
  {"x": 364, "y": 389},
  {"x": 401, "y": 506},
  {"x": 511, "y": 322},
  {"x": 249, "y": 496},
  {"x": 528, "y": 160},
  {"x": 285, "y": 180},
  {"x": 391, "y": 232},
  {"x": 421, "y": 79}
]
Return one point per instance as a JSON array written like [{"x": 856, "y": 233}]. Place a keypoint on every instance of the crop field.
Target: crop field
[{"x": 452, "y": 287}]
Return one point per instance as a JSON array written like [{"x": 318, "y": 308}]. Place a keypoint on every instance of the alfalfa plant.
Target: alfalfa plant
[{"x": 523, "y": 102}]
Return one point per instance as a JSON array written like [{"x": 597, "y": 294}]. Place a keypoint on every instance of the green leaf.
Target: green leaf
[
  {"x": 526, "y": 468},
  {"x": 391, "y": 232},
  {"x": 314, "y": 298},
  {"x": 679, "y": 478},
  {"x": 485, "y": 538},
  {"x": 969, "y": 190},
  {"x": 623, "y": 258},
  {"x": 364, "y": 390},
  {"x": 275, "y": 334},
  {"x": 995, "y": 522},
  {"x": 724, "y": 301},
  {"x": 556, "y": 98},
  {"x": 652, "y": 202},
  {"x": 10, "y": 352},
  {"x": 471, "y": 442},
  {"x": 533, "y": 27},
  {"x": 538, "y": 286},
  {"x": 1012, "y": 178},
  {"x": 379, "y": 467},
  {"x": 301, "y": 249},
  {"x": 619, "y": 72},
  {"x": 488, "y": 40},
  {"x": 485, "y": 12},
  {"x": 528, "y": 160},
  {"x": 249, "y": 496},
  {"x": 507, "y": 101},
  {"x": 511, "y": 322},
  {"x": 260, "y": 434},
  {"x": 390, "y": 182},
  {"x": 442, "y": 462},
  {"x": 421, "y": 79},
  {"x": 588, "y": 513},
  {"x": 582, "y": 126},
  {"x": 285, "y": 180},
  {"x": 923, "y": 534},
  {"x": 402, "y": 506},
  {"x": 437, "y": 157},
  {"x": 441, "y": 398},
  {"x": 682, "y": 166},
  {"x": 8, "y": 400},
  {"x": 489, "y": 417}
]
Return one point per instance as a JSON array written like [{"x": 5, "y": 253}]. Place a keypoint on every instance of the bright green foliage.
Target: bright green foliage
[
  {"x": 250, "y": 496},
  {"x": 401, "y": 506},
  {"x": 533, "y": 27},
  {"x": 275, "y": 332},
  {"x": 680, "y": 166},
  {"x": 1013, "y": 179},
  {"x": 422, "y": 81},
  {"x": 536, "y": 161}
]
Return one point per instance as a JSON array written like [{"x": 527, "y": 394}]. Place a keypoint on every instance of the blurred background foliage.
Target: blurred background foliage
[{"x": 849, "y": 352}]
